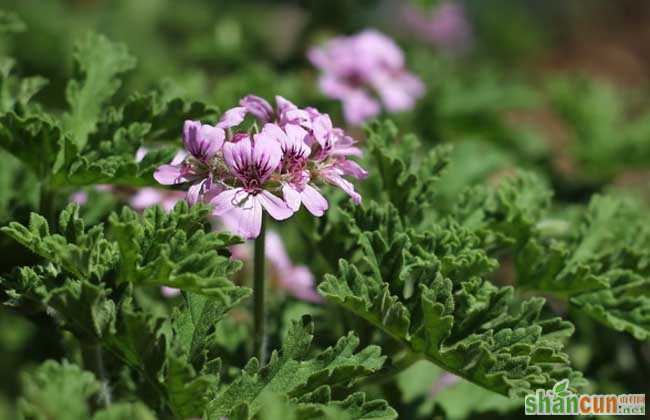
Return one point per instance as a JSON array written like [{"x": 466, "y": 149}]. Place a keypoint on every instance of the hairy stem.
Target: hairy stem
[
  {"x": 46, "y": 203},
  {"x": 258, "y": 295},
  {"x": 94, "y": 361}
]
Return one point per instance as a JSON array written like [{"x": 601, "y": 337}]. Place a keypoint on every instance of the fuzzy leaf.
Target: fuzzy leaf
[
  {"x": 98, "y": 62},
  {"x": 57, "y": 391},
  {"x": 294, "y": 374},
  {"x": 449, "y": 313}
]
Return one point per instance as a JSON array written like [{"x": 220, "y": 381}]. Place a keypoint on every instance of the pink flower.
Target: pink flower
[
  {"x": 201, "y": 140},
  {"x": 251, "y": 162},
  {"x": 170, "y": 292},
  {"x": 243, "y": 174},
  {"x": 148, "y": 197},
  {"x": 356, "y": 67},
  {"x": 296, "y": 280},
  {"x": 326, "y": 147},
  {"x": 446, "y": 26},
  {"x": 296, "y": 188}
]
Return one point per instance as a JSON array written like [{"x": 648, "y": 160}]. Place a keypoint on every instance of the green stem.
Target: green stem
[
  {"x": 258, "y": 295},
  {"x": 94, "y": 361},
  {"x": 46, "y": 204}
]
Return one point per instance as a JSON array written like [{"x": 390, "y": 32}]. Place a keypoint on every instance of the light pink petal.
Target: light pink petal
[
  {"x": 227, "y": 200},
  {"x": 170, "y": 292},
  {"x": 140, "y": 153},
  {"x": 345, "y": 185},
  {"x": 79, "y": 197},
  {"x": 169, "y": 175},
  {"x": 322, "y": 127},
  {"x": 258, "y": 107},
  {"x": 238, "y": 155},
  {"x": 275, "y": 132},
  {"x": 295, "y": 140},
  {"x": 266, "y": 153},
  {"x": 283, "y": 104},
  {"x": 299, "y": 281},
  {"x": 276, "y": 252},
  {"x": 232, "y": 117},
  {"x": 352, "y": 168},
  {"x": 359, "y": 107},
  {"x": 249, "y": 216},
  {"x": 179, "y": 157},
  {"x": 314, "y": 201},
  {"x": 399, "y": 92},
  {"x": 291, "y": 197},
  {"x": 214, "y": 136},
  {"x": 146, "y": 197},
  {"x": 194, "y": 192},
  {"x": 274, "y": 205}
]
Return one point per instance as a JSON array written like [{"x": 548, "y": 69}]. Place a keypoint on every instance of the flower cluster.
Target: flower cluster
[
  {"x": 276, "y": 169},
  {"x": 357, "y": 66},
  {"x": 446, "y": 26}
]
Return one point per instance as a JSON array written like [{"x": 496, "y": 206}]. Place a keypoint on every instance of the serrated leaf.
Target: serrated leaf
[
  {"x": 293, "y": 373},
  {"x": 34, "y": 140},
  {"x": 453, "y": 316},
  {"x": 57, "y": 391},
  {"x": 98, "y": 62}
]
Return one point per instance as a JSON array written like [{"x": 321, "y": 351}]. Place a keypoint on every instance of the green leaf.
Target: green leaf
[
  {"x": 82, "y": 253},
  {"x": 441, "y": 307},
  {"x": 354, "y": 407},
  {"x": 506, "y": 215},
  {"x": 624, "y": 306},
  {"x": 601, "y": 264},
  {"x": 401, "y": 179},
  {"x": 34, "y": 140},
  {"x": 125, "y": 411},
  {"x": 16, "y": 92},
  {"x": 57, "y": 391},
  {"x": 175, "y": 250},
  {"x": 295, "y": 375},
  {"x": 98, "y": 61}
]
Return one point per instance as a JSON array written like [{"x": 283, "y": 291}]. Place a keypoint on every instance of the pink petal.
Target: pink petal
[
  {"x": 299, "y": 281},
  {"x": 276, "y": 252},
  {"x": 274, "y": 205},
  {"x": 352, "y": 168},
  {"x": 232, "y": 117},
  {"x": 291, "y": 197},
  {"x": 194, "y": 192},
  {"x": 227, "y": 200},
  {"x": 140, "y": 153},
  {"x": 169, "y": 175},
  {"x": 345, "y": 185},
  {"x": 249, "y": 217},
  {"x": 359, "y": 107},
  {"x": 258, "y": 107},
  {"x": 238, "y": 155},
  {"x": 215, "y": 137},
  {"x": 169, "y": 292},
  {"x": 314, "y": 201},
  {"x": 79, "y": 197},
  {"x": 146, "y": 197},
  {"x": 266, "y": 153}
]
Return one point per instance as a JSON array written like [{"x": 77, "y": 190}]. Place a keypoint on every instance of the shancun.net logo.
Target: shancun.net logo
[{"x": 561, "y": 401}]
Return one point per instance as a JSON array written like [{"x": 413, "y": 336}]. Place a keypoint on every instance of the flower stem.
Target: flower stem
[
  {"x": 94, "y": 361},
  {"x": 258, "y": 294}
]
